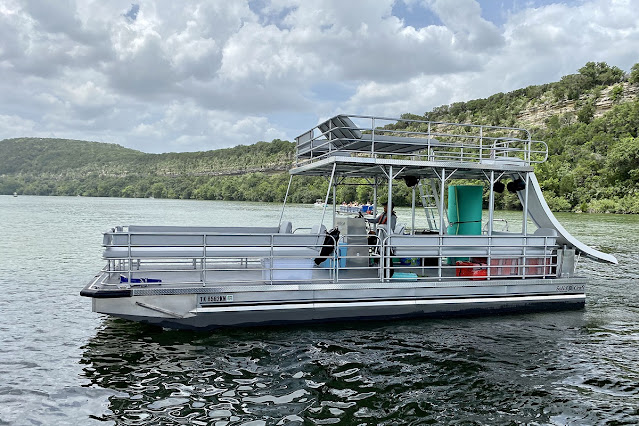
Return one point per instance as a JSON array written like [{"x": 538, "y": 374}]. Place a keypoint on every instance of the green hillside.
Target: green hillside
[
  {"x": 590, "y": 121},
  {"x": 38, "y": 156},
  {"x": 41, "y": 166}
]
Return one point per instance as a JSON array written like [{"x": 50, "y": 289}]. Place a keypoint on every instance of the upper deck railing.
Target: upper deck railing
[{"x": 368, "y": 136}]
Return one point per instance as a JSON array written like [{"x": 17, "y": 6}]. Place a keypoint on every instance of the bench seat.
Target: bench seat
[
  {"x": 186, "y": 245},
  {"x": 212, "y": 252},
  {"x": 209, "y": 229},
  {"x": 166, "y": 236}
]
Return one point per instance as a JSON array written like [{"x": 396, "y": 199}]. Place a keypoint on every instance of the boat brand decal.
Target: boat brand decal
[
  {"x": 214, "y": 298},
  {"x": 565, "y": 288}
]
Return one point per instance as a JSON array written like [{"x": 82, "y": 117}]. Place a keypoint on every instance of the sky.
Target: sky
[{"x": 168, "y": 76}]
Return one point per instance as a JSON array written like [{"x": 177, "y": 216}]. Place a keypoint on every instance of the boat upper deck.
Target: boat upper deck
[{"x": 357, "y": 145}]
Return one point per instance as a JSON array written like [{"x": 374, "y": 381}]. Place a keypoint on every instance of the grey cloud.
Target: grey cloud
[
  {"x": 41, "y": 40},
  {"x": 147, "y": 72},
  {"x": 404, "y": 61},
  {"x": 13, "y": 44},
  {"x": 61, "y": 18},
  {"x": 28, "y": 102},
  {"x": 254, "y": 99},
  {"x": 54, "y": 17},
  {"x": 220, "y": 20}
]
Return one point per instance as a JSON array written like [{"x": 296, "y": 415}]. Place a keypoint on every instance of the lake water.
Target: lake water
[{"x": 62, "y": 364}]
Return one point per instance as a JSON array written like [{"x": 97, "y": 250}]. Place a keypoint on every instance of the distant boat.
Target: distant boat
[
  {"x": 15, "y": 194},
  {"x": 319, "y": 203},
  {"x": 364, "y": 209}
]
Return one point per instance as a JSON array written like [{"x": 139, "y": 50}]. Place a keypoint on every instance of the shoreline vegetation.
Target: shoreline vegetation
[{"x": 590, "y": 121}]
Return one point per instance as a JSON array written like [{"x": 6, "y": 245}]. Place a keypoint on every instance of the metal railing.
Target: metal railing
[
  {"x": 418, "y": 140},
  {"x": 142, "y": 259},
  {"x": 200, "y": 259},
  {"x": 474, "y": 257},
  {"x": 424, "y": 258}
]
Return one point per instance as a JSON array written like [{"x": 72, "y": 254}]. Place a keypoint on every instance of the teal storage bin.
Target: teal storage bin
[
  {"x": 465, "y": 228},
  {"x": 341, "y": 250},
  {"x": 465, "y": 209},
  {"x": 464, "y": 212},
  {"x": 404, "y": 276}
]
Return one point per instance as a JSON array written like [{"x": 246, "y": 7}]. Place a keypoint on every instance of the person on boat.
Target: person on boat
[
  {"x": 382, "y": 219},
  {"x": 375, "y": 238}
]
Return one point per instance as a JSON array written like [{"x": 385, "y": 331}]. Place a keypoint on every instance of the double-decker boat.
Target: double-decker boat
[{"x": 459, "y": 264}]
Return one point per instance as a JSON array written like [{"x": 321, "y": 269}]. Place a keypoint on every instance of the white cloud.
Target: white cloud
[
  {"x": 185, "y": 127},
  {"x": 540, "y": 45},
  {"x": 88, "y": 95},
  {"x": 207, "y": 74},
  {"x": 19, "y": 125},
  {"x": 463, "y": 18}
]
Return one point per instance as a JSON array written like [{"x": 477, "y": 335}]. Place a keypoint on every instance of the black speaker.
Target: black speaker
[
  {"x": 499, "y": 187},
  {"x": 411, "y": 181},
  {"x": 516, "y": 185}
]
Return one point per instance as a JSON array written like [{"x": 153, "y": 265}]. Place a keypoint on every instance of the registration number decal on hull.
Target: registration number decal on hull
[
  {"x": 567, "y": 288},
  {"x": 214, "y": 298}
]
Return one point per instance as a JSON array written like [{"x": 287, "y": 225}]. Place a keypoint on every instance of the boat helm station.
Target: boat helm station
[{"x": 349, "y": 267}]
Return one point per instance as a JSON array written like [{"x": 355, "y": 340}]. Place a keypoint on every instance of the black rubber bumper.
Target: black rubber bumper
[{"x": 105, "y": 294}]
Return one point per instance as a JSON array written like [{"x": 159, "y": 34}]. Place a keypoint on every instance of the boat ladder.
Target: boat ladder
[{"x": 428, "y": 193}]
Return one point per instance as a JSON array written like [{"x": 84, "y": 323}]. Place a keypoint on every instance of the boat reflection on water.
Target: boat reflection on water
[
  {"x": 370, "y": 373},
  {"x": 161, "y": 376}
]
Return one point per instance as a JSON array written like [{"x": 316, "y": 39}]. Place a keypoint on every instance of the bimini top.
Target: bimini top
[{"x": 358, "y": 144}]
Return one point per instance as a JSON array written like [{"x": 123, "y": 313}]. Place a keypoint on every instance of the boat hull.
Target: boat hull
[{"x": 217, "y": 307}]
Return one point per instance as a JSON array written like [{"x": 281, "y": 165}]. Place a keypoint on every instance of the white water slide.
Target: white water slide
[{"x": 542, "y": 216}]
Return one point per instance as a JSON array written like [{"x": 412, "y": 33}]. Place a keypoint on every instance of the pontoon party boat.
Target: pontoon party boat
[{"x": 459, "y": 264}]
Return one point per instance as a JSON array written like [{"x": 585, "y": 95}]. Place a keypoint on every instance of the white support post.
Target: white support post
[
  {"x": 524, "y": 227},
  {"x": 375, "y": 202},
  {"x": 412, "y": 226},
  {"x": 389, "y": 221},
  {"x": 334, "y": 203},
  {"x": 328, "y": 192},
  {"x": 285, "y": 198},
  {"x": 390, "y": 201},
  {"x": 441, "y": 223},
  {"x": 491, "y": 203},
  {"x": 441, "y": 202},
  {"x": 525, "y": 224}
]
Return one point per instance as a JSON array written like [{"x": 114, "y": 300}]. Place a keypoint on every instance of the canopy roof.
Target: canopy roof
[{"x": 365, "y": 167}]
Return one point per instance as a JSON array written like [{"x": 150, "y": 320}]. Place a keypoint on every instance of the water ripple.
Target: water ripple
[
  {"x": 526, "y": 369},
  {"x": 62, "y": 364}
]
